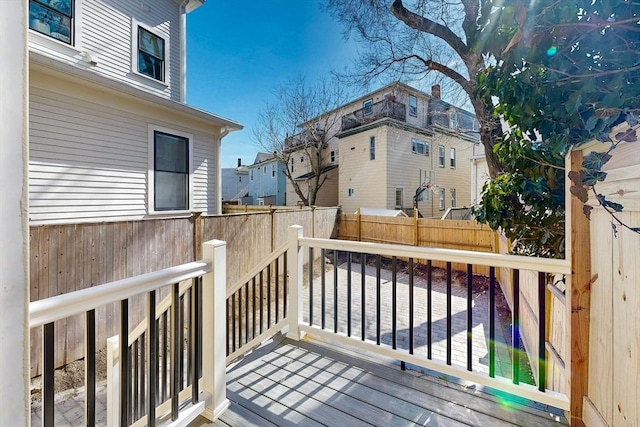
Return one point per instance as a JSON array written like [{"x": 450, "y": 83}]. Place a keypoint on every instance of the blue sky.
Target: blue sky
[{"x": 238, "y": 52}]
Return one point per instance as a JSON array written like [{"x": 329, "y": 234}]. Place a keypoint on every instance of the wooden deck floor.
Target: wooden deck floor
[{"x": 310, "y": 384}]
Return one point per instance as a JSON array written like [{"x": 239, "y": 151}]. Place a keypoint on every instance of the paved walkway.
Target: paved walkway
[
  {"x": 69, "y": 405},
  {"x": 480, "y": 315}
]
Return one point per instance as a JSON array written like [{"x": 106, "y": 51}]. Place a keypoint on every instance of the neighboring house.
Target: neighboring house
[
  {"x": 111, "y": 137},
  {"x": 392, "y": 142},
  {"x": 235, "y": 183},
  {"x": 267, "y": 182},
  {"x": 479, "y": 173}
]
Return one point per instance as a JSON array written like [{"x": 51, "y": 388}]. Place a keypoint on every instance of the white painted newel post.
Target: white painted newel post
[
  {"x": 294, "y": 264},
  {"x": 214, "y": 334}
]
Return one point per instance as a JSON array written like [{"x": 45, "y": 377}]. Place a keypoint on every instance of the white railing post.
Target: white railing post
[
  {"x": 295, "y": 261},
  {"x": 214, "y": 335},
  {"x": 113, "y": 381}
]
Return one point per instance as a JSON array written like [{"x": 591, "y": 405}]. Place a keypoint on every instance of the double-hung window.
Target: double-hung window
[
  {"x": 413, "y": 105},
  {"x": 367, "y": 106},
  {"x": 399, "y": 197},
  {"x": 333, "y": 156},
  {"x": 453, "y": 197},
  {"x": 441, "y": 156},
  {"x": 170, "y": 171},
  {"x": 53, "y": 18},
  {"x": 452, "y": 158},
  {"x": 419, "y": 147},
  {"x": 151, "y": 54},
  {"x": 372, "y": 148},
  {"x": 441, "y": 201}
]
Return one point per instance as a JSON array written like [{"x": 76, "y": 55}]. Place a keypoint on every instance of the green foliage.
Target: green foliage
[{"x": 570, "y": 72}]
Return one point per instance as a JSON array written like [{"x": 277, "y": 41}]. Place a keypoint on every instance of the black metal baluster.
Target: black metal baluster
[
  {"x": 143, "y": 359},
  {"x": 285, "y": 291},
  {"x": 394, "y": 307},
  {"x": 48, "y": 368},
  {"x": 152, "y": 362},
  {"x": 378, "y": 298},
  {"x": 246, "y": 312},
  {"x": 335, "y": 291},
  {"x": 90, "y": 367},
  {"x": 492, "y": 322},
  {"x": 253, "y": 311},
  {"x": 277, "y": 278},
  {"x": 449, "y": 319},
  {"x": 165, "y": 356},
  {"x": 233, "y": 323},
  {"x": 363, "y": 311},
  {"x": 124, "y": 362},
  {"x": 542, "y": 334},
  {"x": 261, "y": 300},
  {"x": 469, "y": 317},
  {"x": 323, "y": 287},
  {"x": 175, "y": 350},
  {"x": 410, "y": 305},
  {"x": 429, "y": 307},
  {"x": 310, "y": 286},
  {"x": 349, "y": 294},
  {"x": 268, "y": 296},
  {"x": 194, "y": 340},
  {"x": 515, "y": 342}
]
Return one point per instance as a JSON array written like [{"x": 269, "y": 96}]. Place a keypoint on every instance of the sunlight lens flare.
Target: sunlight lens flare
[{"x": 552, "y": 50}]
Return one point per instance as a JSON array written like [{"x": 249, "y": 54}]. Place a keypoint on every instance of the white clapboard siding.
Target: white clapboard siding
[
  {"x": 106, "y": 31},
  {"x": 88, "y": 154}
]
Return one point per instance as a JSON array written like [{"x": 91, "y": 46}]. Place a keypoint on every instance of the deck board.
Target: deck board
[{"x": 303, "y": 383}]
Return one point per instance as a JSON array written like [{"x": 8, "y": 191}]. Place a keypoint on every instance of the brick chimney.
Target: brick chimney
[{"x": 435, "y": 91}]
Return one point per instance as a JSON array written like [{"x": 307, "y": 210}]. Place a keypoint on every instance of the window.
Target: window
[
  {"x": 372, "y": 148},
  {"x": 292, "y": 164},
  {"x": 273, "y": 171},
  {"x": 441, "y": 201},
  {"x": 419, "y": 147},
  {"x": 399, "y": 197},
  {"x": 264, "y": 170},
  {"x": 333, "y": 156},
  {"x": 240, "y": 179},
  {"x": 170, "y": 173},
  {"x": 413, "y": 105},
  {"x": 453, "y": 119},
  {"x": 368, "y": 106},
  {"x": 441, "y": 156},
  {"x": 351, "y": 192},
  {"x": 53, "y": 18},
  {"x": 150, "y": 54},
  {"x": 452, "y": 158},
  {"x": 301, "y": 159},
  {"x": 453, "y": 197},
  {"x": 251, "y": 175}
]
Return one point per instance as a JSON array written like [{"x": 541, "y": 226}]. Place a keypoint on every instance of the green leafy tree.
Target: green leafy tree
[{"x": 569, "y": 73}]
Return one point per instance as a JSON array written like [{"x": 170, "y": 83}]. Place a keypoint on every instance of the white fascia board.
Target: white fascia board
[{"x": 89, "y": 76}]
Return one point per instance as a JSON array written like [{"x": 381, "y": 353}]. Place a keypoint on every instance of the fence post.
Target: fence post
[
  {"x": 359, "y": 227},
  {"x": 294, "y": 265},
  {"x": 415, "y": 227},
  {"x": 214, "y": 320}
]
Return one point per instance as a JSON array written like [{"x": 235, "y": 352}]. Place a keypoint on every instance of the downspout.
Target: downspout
[
  {"x": 224, "y": 131},
  {"x": 183, "y": 51}
]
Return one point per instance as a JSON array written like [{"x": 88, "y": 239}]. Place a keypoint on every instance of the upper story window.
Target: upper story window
[
  {"x": 333, "y": 156},
  {"x": 292, "y": 164},
  {"x": 171, "y": 171},
  {"x": 368, "y": 106},
  {"x": 264, "y": 170},
  {"x": 372, "y": 148},
  {"x": 413, "y": 105},
  {"x": 399, "y": 197},
  {"x": 441, "y": 156},
  {"x": 419, "y": 147},
  {"x": 273, "y": 171},
  {"x": 453, "y": 119},
  {"x": 453, "y": 197},
  {"x": 53, "y": 18},
  {"x": 150, "y": 54},
  {"x": 441, "y": 199},
  {"x": 452, "y": 158},
  {"x": 251, "y": 175}
]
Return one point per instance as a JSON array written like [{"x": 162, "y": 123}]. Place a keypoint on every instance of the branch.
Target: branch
[
  {"x": 420, "y": 23},
  {"x": 441, "y": 68}
]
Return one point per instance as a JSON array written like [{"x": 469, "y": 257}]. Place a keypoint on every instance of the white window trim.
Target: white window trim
[
  {"x": 442, "y": 202},
  {"x": 57, "y": 46},
  {"x": 150, "y": 173},
  {"x": 134, "y": 53},
  {"x": 452, "y": 158},
  {"x": 395, "y": 198},
  {"x": 443, "y": 156},
  {"x": 415, "y": 114}
]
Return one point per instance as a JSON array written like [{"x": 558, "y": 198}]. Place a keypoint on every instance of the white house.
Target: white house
[{"x": 111, "y": 137}]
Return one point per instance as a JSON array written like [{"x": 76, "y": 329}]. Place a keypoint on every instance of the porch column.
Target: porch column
[
  {"x": 14, "y": 227},
  {"x": 214, "y": 334},
  {"x": 295, "y": 261}
]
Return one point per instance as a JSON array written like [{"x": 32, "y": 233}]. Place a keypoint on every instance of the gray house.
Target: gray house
[
  {"x": 235, "y": 183},
  {"x": 267, "y": 181}
]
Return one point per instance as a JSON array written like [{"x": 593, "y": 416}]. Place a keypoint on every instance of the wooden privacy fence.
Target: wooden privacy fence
[
  {"x": 65, "y": 258},
  {"x": 422, "y": 232}
]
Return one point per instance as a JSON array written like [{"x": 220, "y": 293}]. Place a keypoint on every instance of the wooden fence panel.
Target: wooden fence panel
[{"x": 65, "y": 258}]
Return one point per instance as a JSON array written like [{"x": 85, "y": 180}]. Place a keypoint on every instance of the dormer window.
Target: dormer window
[
  {"x": 53, "y": 18},
  {"x": 150, "y": 54}
]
